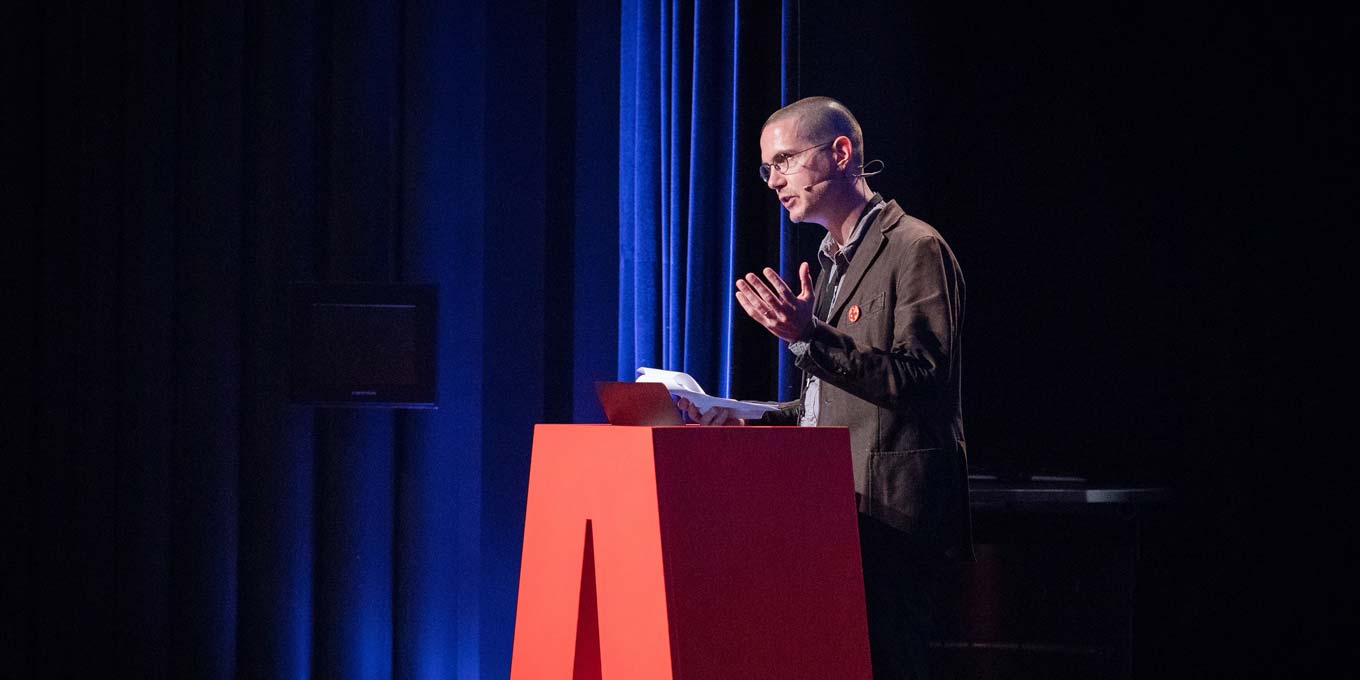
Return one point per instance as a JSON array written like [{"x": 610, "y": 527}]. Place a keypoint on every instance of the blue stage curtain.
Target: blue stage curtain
[
  {"x": 181, "y": 518},
  {"x": 696, "y": 81},
  {"x": 197, "y": 157}
]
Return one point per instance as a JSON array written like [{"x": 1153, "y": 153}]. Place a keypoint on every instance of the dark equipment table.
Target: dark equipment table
[{"x": 1052, "y": 592}]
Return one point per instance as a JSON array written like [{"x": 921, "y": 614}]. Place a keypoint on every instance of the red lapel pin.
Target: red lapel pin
[{"x": 853, "y": 313}]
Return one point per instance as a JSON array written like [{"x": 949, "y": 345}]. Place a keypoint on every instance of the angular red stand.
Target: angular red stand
[{"x": 688, "y": 553}]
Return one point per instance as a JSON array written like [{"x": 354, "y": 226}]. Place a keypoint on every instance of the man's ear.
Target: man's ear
[{"x": 843, "y": 151}]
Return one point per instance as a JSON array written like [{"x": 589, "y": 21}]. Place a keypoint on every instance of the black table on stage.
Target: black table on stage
[{"x": 1052, "y": 592}]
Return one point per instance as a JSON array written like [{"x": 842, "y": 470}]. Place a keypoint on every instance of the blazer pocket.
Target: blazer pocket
[
  {"x": 868, "y": 323},
  {"x": 908, "y": 489},
  {"x": 872, "y": 306}
]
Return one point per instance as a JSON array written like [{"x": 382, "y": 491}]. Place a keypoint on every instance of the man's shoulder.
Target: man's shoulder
[{"x": 902, "y": 229}]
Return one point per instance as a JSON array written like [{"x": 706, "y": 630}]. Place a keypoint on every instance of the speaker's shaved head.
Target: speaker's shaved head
[{"x": 822, "y": 119}]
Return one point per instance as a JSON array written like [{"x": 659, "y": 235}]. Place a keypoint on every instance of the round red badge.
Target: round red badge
[{"x": 853, "y": 313}]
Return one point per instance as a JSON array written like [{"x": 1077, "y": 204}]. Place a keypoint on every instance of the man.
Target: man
[{"x": 879, "y": 346}]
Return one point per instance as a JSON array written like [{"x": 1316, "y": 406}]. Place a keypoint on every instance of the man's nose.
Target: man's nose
[{"x": 776, "y": 179}]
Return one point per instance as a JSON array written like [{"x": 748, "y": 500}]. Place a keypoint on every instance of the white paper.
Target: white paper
[{"x": 683, "y": 385}]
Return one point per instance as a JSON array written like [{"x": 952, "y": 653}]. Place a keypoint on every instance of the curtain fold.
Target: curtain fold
[
  {"x": 697, "y": 80},
  {"x": 198, "y": 157},
  {"x": 181, "y": 518}
]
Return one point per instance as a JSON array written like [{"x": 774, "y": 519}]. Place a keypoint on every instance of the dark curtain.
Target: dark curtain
[
  {"x": 173, "y": 515},
  {"x": 697, "y": 81}
]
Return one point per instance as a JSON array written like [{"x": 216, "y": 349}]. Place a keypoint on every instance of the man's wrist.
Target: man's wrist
[{"x": 799, "y": 346}]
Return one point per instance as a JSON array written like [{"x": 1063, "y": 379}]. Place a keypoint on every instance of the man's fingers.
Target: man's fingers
[
  {"x": 715, "y": 416},
  {"x": 759, "y": 309},
  {"x": 688, "y": 408},
  {"x": 766, "y": 303},
  {"x": 759, "y": 288},
  {"x": 777, "y": 283},
  {"x": 745, "y": 301},
  {"x": 805, "y": 278}
]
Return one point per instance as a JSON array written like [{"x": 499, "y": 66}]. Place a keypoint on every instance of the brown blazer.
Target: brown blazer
[{"x": 892, "y": 375}]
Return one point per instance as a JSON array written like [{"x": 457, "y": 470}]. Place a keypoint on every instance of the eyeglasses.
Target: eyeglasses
[{"x": 783, "y": 162}]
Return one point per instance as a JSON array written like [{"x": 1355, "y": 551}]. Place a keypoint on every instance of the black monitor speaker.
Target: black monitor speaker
[{"x": 362, "y": 344}]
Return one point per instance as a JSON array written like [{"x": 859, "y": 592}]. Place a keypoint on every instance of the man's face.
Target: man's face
[{"x": 800, "y": 190}]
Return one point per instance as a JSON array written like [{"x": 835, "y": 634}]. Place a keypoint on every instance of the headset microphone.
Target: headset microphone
[
  {"x": 854, "y": 177},
  {"x": 820, "y": 181}
]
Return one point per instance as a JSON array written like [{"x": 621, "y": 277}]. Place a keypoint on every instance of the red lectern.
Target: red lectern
[{"x": 690, "y": 553}]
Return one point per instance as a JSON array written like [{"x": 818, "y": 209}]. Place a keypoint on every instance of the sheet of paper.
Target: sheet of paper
[{"x": 683, "y": 385}]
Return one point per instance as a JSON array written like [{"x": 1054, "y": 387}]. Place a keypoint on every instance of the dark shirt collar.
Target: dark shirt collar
[{"x": 829, "y": 253}]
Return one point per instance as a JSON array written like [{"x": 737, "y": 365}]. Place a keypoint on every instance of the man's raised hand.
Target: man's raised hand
[{"x": 774, "y": 306}]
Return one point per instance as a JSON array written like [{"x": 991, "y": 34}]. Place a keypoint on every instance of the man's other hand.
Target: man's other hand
[
  {"x": 775, "y": 307},
  {"x": 717, "y": 415}
]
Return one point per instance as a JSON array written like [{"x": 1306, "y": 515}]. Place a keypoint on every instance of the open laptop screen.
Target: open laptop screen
[{"x": 633, "y": 403}]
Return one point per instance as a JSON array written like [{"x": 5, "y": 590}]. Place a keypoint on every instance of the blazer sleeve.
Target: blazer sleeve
[
  {"x": 789, "y": 413},
  {"x": 924, "y": 323}
]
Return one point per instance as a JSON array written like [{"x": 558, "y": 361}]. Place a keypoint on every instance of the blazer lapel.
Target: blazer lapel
[
  {"x": 819, "y": 292},
  {"x": 865, "y": 256}
]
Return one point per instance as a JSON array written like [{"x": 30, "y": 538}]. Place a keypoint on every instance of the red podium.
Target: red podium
[{"x": 688, "y": 553}]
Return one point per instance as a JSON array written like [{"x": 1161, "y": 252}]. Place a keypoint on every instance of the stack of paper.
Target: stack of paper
[{"x": 682, "y": 385}]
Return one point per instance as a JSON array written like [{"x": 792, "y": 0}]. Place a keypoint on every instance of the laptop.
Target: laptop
[{"x": 634, "y": 403}]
